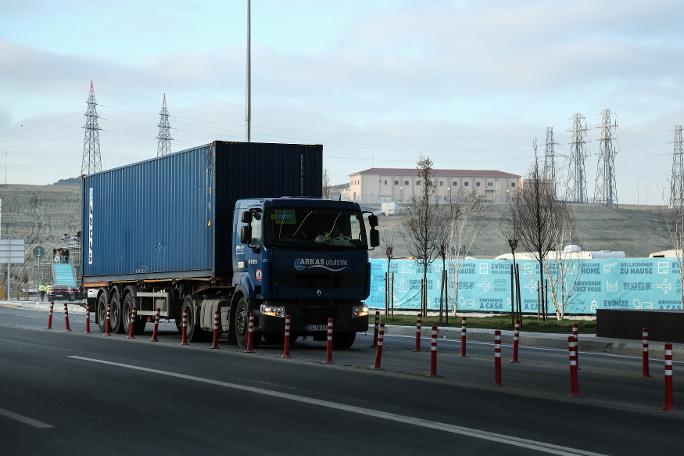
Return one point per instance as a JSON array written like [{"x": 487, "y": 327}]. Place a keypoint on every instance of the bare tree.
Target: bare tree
[
  {"x": 563, "y": 267},
  {"x": 466, "y": 221},
  {"x": 389, "y": 239},
  {"x": 535, "y": 211},
  {"x": 673, "y": 219},
  {"x": 421, "y": 228},
  {"x": 444, "y": 221},
  {"x": 326, "y": 184}
]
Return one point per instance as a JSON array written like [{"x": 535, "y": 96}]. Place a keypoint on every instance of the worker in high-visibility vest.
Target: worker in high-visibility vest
[{"x": 43, "y": 289}]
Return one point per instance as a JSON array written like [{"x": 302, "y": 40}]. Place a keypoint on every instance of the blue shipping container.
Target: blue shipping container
[{"x": 171, "y": 216}]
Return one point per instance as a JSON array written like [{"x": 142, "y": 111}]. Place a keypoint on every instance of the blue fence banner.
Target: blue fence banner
[{"x": 485, "y": 285}]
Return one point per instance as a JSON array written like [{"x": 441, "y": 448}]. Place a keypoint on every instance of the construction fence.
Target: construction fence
[{"x": 485, "y": 285}]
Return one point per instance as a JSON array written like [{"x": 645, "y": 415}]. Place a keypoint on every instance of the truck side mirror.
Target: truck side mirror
[
  {"x": 373, "y": 220},
  {"x": 246, "y": 234},
  {"x": 374, "y": 237},
  {"x": 246, "y": 217}
]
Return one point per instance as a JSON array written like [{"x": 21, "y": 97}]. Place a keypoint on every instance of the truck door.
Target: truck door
[{"x": 253, "y": 253}]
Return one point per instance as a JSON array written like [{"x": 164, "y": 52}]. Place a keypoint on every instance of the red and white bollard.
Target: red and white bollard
[
  {"x": 155, "y": 331},
  {"x": 433, "y": 352},
  {"x": 215, "y": 337},
  {"x": 419, "y": 323},
  {"x": 250, "y": 334},
  {"x": 375, "y": 328},
  {"x": 378, "y": 348},
  {"x": 497, "y": 357},
  {"x": 87, "y": 319},
  {"x": 329, "y": 343},
  {"x": 572, "y": 352},
  {"x": 108, "y": 324},
  {"x": 184, "y": 327},
  {"x": 575, "y": 333},
  {"x": 645, "y": 371},
  {"x": 286, "y": 340},
  {"x": 67, "y": 326},
  {"x": 131, "y": 323},
  {"x": 516, "y": 341},
  {"x": 52, "y": 305},
  {"x": 463, "y": 336},
  {"x": 667, "y": 404}
]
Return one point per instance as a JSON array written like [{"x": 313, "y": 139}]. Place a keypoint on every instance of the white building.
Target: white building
[{"x": 400, "y": 184}]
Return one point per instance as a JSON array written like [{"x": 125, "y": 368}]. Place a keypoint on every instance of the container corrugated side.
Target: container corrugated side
[{"x": 152, "y": 218}]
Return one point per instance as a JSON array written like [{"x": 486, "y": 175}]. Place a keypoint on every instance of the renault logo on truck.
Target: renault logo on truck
[{"x": 329, "y": 264}]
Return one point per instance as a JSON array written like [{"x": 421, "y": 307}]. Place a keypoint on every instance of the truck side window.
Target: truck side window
[
  {"x": 355, "y": 228},
  {"x": 256, "y": 228}
]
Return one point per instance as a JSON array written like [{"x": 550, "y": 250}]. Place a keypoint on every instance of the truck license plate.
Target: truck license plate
[{"x": 315, "y": 328}]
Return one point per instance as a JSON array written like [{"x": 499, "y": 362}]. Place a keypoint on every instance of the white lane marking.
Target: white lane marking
[
  {"x": 25, "y": 419},
  {"x": 503, "y": 439},
  {"x": 527, "y": 347}
]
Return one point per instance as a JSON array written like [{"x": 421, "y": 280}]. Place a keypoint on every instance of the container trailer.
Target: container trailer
[{"x": 232, "y": 227}]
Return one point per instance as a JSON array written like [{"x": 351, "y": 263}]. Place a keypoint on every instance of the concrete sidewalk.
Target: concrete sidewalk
[
  {"x": 587, "y": 342},
  {"x": 44, "y": 306}
]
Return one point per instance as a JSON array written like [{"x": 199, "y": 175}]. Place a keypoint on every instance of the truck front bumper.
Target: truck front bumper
[{"x": 310, "y": 318}]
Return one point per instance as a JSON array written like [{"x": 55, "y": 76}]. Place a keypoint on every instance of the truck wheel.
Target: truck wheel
[
  {"x": 101, "y": 310},
  {"x": 344, "y": 340},
  {"x": 241, "y": 322},
  {"x": 115, "y": 313}
]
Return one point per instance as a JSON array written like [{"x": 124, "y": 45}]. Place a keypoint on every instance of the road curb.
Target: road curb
[{"x": 587, "y": 342}]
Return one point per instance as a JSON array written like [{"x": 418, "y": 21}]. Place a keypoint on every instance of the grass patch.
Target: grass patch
[{"x": 551, "y": 325}]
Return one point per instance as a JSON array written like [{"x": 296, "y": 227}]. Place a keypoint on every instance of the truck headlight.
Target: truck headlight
[
  {"x": 272, "y": 311},
  {"x": 360, "y": 311}
]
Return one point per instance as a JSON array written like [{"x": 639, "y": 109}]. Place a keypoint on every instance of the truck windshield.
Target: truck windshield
[{"x": 320, "y": 229}]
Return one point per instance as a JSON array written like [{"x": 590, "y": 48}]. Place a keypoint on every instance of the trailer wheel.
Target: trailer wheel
[
  {"x": 194, "y": 331},
  {"x": 344, "y": 340},
  {"x": 140, "y": 322},
  {"x": 101, "y": 310},
  {"x": 115, "y": 313}
]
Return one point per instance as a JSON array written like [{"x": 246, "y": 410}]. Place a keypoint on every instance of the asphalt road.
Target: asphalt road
[{"x": 89, "y": 394}]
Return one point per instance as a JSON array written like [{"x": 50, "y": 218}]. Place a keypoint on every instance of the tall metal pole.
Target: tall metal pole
[
  {"x": 248, "y": 107},
  {"x": 8, "y": 253}
]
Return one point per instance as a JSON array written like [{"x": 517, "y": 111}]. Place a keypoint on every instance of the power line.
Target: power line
[
  {"x": 677, "y": 179},
  {"x": 92, "y": 160},
  {"x": 549, "y": 170},
  {"x": 577, "y": 178},
  {"x": 605, "y": 190},
  {"x": 164, "y": 137}
]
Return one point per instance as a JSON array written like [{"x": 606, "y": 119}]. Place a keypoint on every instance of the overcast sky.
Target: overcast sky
[{"x": 469, "y": 83}]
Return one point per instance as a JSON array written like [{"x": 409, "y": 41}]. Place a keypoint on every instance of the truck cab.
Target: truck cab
[{"x": 303, "y": 257}]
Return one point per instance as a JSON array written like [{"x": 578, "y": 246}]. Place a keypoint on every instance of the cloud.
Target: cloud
[{"x": 468, "y": 82}]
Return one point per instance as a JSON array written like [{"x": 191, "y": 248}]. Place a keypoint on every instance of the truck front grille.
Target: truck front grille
[{"x": 314, "y": 280}]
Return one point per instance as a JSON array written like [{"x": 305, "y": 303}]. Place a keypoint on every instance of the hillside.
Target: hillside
[
  {"x": 636, "y": 230},
  {"x": 42, "y": 214}
]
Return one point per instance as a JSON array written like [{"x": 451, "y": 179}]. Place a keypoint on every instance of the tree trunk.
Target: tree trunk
[
  {"x": 387, "y": 285},
  {"x": 541, "y": 287},
  {"x": 424, "y": 292}
]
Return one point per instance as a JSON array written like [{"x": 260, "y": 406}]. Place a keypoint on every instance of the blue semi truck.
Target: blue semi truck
[{"x": 232, "y": 227}]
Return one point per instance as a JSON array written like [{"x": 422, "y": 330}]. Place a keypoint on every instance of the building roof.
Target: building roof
[{"x": 438, "y": 172}]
